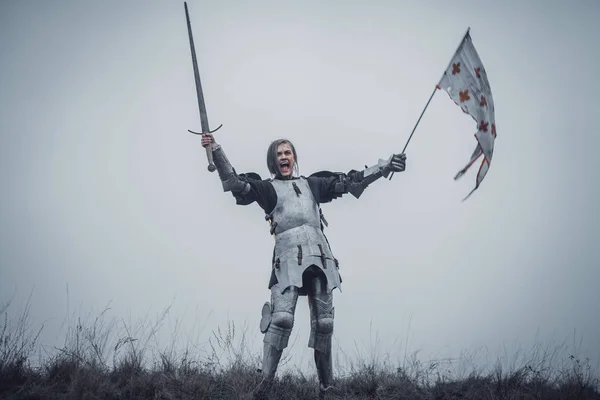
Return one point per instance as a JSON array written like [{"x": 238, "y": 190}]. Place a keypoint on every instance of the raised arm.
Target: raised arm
[
  {"x": 229, "y": 179},
  {"x": 331, "y": 185},
  {"x": 246, "y": 188}
]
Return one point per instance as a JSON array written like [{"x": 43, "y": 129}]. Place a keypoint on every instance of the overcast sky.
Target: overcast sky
[{"x": 105, "y": 192}]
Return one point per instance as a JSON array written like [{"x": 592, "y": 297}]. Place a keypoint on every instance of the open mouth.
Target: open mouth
[{"x": 284, "y": 166}]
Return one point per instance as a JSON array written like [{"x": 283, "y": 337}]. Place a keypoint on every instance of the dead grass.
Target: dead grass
[{"x": 107, "y": 359}]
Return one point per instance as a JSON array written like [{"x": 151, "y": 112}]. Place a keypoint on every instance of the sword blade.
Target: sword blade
[{"x": 199, "y": 93}]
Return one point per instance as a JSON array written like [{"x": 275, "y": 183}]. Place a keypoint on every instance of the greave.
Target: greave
[
  {"x": 271, "y": 357},
  {"x": 324, "y": 364},
  {"x": 321, "y": 332},
  {"x": 277, "y": 323}
]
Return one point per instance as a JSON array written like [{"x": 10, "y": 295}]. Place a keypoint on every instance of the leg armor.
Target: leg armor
[
  {"x": 277, "y": 327},
  {"x": 321, "y": 314}
]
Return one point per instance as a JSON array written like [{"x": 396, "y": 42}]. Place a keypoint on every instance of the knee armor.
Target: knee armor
[
  {"x": 278, "y": 317},
  {"x": 321, "y": 329}
]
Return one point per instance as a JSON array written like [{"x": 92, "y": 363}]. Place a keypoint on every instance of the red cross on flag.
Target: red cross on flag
[{"x": 465, "y": 81}]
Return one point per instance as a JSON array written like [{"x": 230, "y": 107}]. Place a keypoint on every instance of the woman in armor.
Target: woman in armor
[{"x": 303, "y": 263}]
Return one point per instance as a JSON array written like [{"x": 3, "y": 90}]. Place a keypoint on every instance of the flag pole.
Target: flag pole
[{"x": 433, "y": 93}]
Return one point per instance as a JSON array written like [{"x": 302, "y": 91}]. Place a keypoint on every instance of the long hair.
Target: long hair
[{"x": 272, "y": 163}]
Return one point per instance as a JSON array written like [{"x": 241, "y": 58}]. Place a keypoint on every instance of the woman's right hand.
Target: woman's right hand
[{"x": 207, "y": 139}]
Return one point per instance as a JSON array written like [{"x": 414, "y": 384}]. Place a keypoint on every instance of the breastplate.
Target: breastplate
[
  {"x": 299, "y": 240},
  {"x": 295, "y": 206}
]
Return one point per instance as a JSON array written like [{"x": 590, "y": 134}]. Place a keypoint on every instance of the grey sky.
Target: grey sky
[{"x": 104, "y": 189}]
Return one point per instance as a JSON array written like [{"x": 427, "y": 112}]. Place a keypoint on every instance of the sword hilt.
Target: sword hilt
[{"x": 209, "y": 155}]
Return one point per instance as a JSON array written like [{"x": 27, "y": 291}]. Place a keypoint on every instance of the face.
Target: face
[{"x": 285, "y": 159}]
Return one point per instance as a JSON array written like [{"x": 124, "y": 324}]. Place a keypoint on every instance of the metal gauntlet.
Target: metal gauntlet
[
  {"x": 359, "y": 180},
  {"x": 230, "y": 180}
]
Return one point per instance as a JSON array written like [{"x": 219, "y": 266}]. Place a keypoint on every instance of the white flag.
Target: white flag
[{"x": 466, "y": 83}]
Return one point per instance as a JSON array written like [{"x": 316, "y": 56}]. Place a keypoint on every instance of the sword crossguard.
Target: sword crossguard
[
  {"x": 202, "y": 133},
  {"x": 209, "y": 156}
]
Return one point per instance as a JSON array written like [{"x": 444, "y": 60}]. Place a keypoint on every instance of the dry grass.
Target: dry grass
[{"x": 108, "y": 359}]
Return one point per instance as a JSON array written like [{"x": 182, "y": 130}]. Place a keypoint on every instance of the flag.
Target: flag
[{"x": 466, "y": 82}]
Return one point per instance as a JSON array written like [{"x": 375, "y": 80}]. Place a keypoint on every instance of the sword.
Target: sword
[{"x": 201, "y": 105}]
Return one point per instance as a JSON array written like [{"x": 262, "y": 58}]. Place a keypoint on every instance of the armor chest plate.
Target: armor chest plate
[
  {"x": 296, "y": 205},
  {"x": 299, "y": 240}
]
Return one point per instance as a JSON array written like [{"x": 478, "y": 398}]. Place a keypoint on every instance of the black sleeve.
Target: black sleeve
[
  {"x": 327, "y": 186},
  {"x": 261, "y": 192}
]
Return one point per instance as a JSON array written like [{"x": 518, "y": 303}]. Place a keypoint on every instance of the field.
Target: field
[{"x": 101, "y": 359}]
